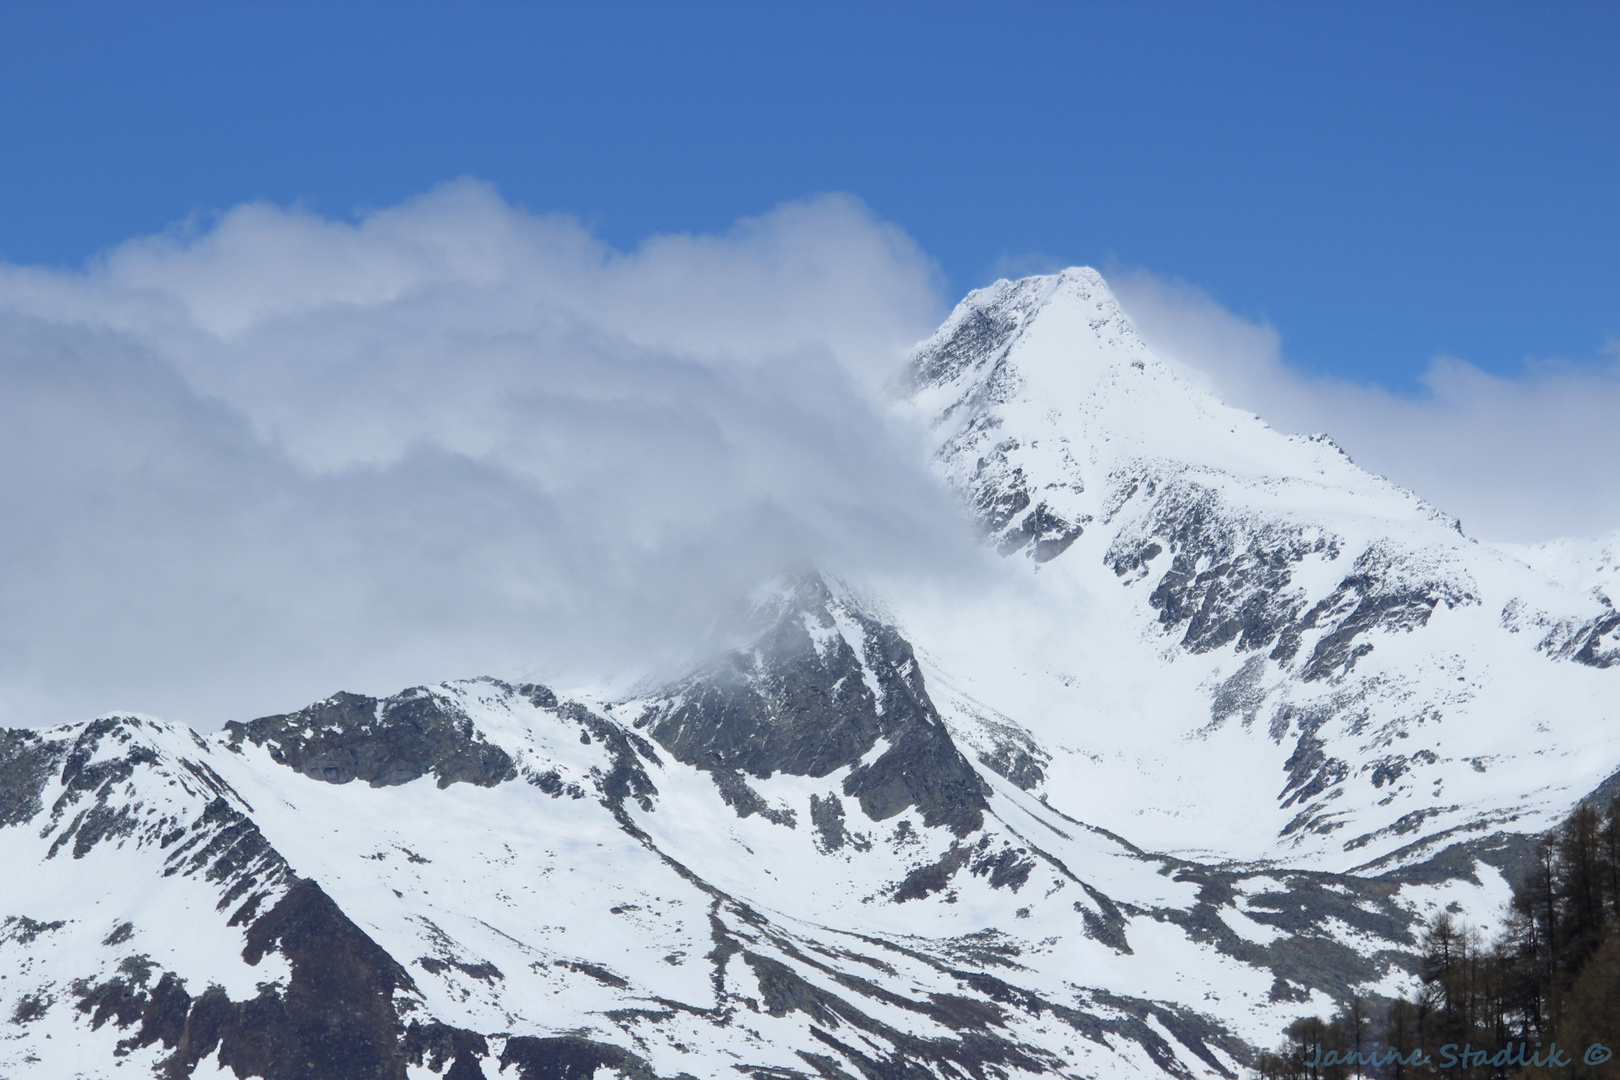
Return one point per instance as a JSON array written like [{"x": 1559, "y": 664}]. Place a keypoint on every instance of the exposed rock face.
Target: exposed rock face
[
  {"x": 334, "y": 1020},
  {"x": 127, "y": 783},
  {"x": 27, "y": 763},
  {"x": 817, "y": 692},
  {"x": 1592, "y": 568},
  {"x": 394, "y": 741},
  {"x": 1594, "y": 642},
  {"x": 1225, "y": 585}
]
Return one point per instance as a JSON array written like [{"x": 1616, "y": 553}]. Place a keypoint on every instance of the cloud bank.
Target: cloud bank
[
  {"x": 1519, "y": 459},
  {"x": 252, "y": 463}
]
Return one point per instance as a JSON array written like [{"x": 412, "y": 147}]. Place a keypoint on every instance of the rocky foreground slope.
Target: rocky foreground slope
[{"x": 1235, "y": 718}]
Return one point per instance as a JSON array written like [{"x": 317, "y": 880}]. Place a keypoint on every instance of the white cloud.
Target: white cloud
[
  {"x": 248, "y": 464},
  {"x": 258, "y": 462},
  {"x": 1517, "y": 459}
]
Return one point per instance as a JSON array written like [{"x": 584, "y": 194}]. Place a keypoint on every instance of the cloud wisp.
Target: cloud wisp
[
  {"x": 1517, "y": 459},
  {"x": 253, "y": 463}
]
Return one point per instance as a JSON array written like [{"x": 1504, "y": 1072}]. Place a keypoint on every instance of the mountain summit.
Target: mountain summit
[
  {"x": 1221, "y": 602},
  {"x": 1235, "y": 718}
]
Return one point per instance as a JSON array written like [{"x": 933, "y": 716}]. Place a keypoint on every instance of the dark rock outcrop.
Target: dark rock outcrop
[
  {"x": 1595, "y": 643},
  {"x": 390, "y": 741},
  {"x": 334, "y": 1020},
  {"x": 569, "y": 1057},
  {"x": 808, "y": 704},
  {"x": 27, "y": 761}
]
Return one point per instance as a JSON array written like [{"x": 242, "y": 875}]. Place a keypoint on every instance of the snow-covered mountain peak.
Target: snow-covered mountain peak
[
  {"x": 824, "y": 686},
  {"x": 1203, "y": 581},
  {"x": 1061, "y": 347},
  {"x": 1048, "y": 408},
  {"x": 804, "y": 594},
  {"x": 969, "y": 346}
]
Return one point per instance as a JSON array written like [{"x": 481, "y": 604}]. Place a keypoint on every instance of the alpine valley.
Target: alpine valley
[{"x": 1237, "y": 719}]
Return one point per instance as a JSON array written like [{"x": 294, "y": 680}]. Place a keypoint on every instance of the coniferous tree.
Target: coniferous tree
[
  {"x": 1550, "y": 976},
  {"x": 1356, "y": 1025},
  {"x": 1401, "y": 1033}
]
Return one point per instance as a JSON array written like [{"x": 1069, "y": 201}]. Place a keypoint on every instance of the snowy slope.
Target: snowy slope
[
  {"x": 537, "y": 882},
  {"x": 1232, "y": 643}
]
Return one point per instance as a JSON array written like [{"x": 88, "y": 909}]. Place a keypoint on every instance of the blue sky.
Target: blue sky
[{"x": 1381, "y": 183}]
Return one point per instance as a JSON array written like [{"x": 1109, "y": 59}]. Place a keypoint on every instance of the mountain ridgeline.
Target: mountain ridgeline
[{"x": 1234, "y": 726}]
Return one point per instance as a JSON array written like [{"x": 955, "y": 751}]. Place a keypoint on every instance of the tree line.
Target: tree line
[{"x": 1528, "y": 1002}]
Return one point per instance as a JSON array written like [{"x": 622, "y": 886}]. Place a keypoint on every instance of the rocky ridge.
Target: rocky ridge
[{"x": 712, "y": 880}]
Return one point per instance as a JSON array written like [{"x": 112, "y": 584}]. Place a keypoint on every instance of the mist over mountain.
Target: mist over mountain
[
  {"x": 268, "y": 454},
  {"x": 278, "y": 454},
  {"x": 1109, "y": 730}
]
